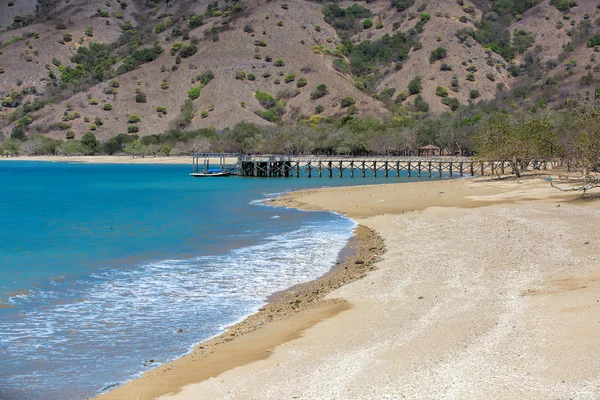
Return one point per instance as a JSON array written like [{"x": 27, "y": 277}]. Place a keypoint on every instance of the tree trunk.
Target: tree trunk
[{"x": 515, "y": 167}]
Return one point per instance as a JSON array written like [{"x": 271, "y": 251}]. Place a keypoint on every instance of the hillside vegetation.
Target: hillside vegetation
[{"x": 82, "y": 77}]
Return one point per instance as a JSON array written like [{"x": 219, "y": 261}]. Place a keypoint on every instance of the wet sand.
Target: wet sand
[
  {"x": 487, "y": 289},
  {"x": 286, "y": 316}
]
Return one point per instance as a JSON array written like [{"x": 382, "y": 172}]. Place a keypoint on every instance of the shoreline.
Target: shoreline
[
  {"x": 287, "y": 314},
  {"x": 171, "y": 160},
  {"x": 373, "y": 207}
]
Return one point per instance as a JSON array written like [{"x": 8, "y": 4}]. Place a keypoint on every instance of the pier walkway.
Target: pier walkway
[{"x": 271, "y": 166}]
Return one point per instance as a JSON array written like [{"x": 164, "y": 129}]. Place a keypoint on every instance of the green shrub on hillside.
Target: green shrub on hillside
[
  {"x": 415, "y": 86},
  {"x": 593, "y": 41},
  {"x": 134, "y": 119},
  {"x": 176, "y": 47},
  {"x": 139, "y": 57},
  {"x": 289, "y": 78},
  {"x": 194, "y": 92},
  {"x": 347, "y": 101},
  {"x": 344, "y": 20},
  {"x": 279, "y": 63},
  {"x": 301, "y": 82},
  {"x": 251, "y": 77},
  {"x": 195, "y": 21},
  {"x": 107, "y": 107},
  {"x": 161, "y": 110},
  {"x": 451, "y": 102},
  {"x": 441, "y": 91},
  {"x": 402, "y": 5},
  {"x": 438, "y": 54},
  {"x": 367, "y": 23},
  {"x": 561, "y": 5},
  {"x": 160, "y": 28},
  {"x": 265, "y": 99},
  {"x": 474, "y": 94},
  {"x": 421, "y": 105},
  {"x": 367, "y": 55},
  {"x": 205, "y": 77},
  {"x": 140, "y": 97},
  {"x": 320, "y": 91},
  {"x": 339, "y": 64},
  {"x": 188, "y": 51},
  {"x": 522, "y": 40},
  {"x": 132, "y": 129},
  {"x": 240, "y": 75}
]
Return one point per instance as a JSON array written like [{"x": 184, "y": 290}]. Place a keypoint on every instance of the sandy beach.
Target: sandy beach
[
  {"x": 487, "y": 290},
  {"x": 106, "y": 159}
]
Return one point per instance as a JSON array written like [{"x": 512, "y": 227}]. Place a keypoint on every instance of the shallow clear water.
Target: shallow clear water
[{"x": 102, "y": 265}]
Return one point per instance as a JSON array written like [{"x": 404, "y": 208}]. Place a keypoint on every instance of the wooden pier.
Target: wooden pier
[{"x": 276, "y": 166}]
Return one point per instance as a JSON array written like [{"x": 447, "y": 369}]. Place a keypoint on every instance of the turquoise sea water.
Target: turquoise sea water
[{"x": 102, "y": 265}]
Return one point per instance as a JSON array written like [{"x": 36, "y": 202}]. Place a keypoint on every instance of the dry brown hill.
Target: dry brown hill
[{"x": 251, "y": 41}]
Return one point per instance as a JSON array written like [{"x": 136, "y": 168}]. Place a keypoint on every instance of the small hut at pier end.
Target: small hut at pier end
[{"x": 430, "y": 150}]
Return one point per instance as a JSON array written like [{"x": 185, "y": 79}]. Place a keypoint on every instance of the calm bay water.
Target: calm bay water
[{"x": 102, "y": 265}]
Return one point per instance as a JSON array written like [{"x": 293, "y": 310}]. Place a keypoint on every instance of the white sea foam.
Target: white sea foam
[{"x": 125, "y": 316}]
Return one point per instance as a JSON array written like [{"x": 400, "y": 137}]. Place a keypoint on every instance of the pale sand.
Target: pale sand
[
  {"x": 110, "y": 159},
  {"x": 497, "y": 299}
]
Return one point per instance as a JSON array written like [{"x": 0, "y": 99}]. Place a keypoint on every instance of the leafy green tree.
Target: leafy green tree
[
  {"x": 10, "y": 147},
  {"x": 580, "y": 141},
  {"x": 136, "y": 148},
  {"x": 517, "y": 139},
  {"x": 90, "y": 142}
]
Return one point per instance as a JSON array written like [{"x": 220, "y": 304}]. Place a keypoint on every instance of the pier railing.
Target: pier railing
[{"x": 273, "y": 165}]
